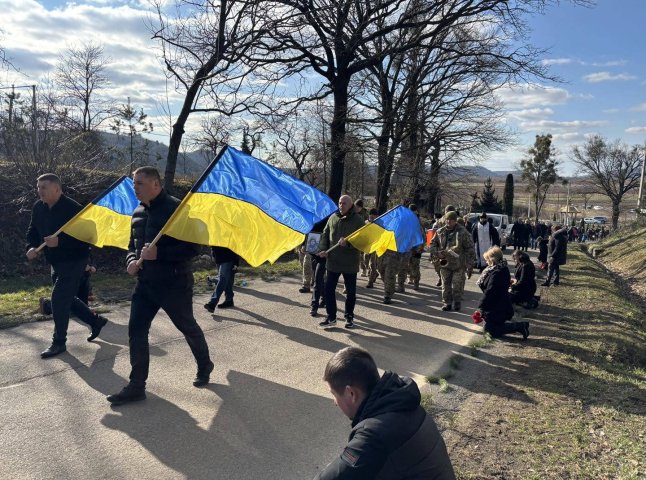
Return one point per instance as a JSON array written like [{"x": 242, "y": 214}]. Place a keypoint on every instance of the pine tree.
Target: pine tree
[
  {"x": 489, "y": 201},
  {"x": 245, "y": 147},
  {"x": 508, "y": 196},
  {"x": 475, "y": 202}
]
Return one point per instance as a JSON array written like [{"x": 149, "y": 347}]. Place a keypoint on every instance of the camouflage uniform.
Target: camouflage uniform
[
  {"x": 306, "y": 265},
  {"x": 414, "y": 274},
  {"x": 373, "y": 269},
  {"x": 459, "y": 241},
  {"x": 404, "y": 259},
  {"x": 389, "y": 264}
]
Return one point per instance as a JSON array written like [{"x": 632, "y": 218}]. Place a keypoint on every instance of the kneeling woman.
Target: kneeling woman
[
  {"x": 523, "y": 286},
  {"x": 495, "y": 306}
]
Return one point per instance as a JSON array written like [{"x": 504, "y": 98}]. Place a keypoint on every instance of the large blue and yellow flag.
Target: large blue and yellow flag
[
  {"x": 398, "y": 230},
  {"x": 249, "y": 207},
  {"x": 106, "y": 220}
]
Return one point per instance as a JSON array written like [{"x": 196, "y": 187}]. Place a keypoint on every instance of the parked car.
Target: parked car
[
  {"x": 601, "y": 219},
  {"x": 597, "y": 207},
  {"x": 500, "y": 222},
  {"x": 596, "y": 220}
]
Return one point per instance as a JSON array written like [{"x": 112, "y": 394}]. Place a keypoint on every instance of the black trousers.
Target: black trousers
[
  {"x": 175, "y": 297},
  {"x": 500, "y": 329},
  {"x": 318, "y": 271},
  {"x": 553, "y": 270},
  {"x": 66, "y": 278},
  {"x": 350, "y": 280}
]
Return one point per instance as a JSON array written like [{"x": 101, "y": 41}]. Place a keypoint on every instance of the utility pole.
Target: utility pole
[
  {"x": 34, "y": 121},
  {"x": 641, "y": 201}
]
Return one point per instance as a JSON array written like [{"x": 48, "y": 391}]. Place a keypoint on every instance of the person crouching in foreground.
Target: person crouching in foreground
[
  {"x": 495, "y": 306},
  {"x": 392, "y": 436}
]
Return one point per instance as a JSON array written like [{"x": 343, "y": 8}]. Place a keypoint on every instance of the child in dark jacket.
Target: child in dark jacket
[{"x": 542, "y": 252}]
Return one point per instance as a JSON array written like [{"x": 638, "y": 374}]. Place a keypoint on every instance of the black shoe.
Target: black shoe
[
  {"x": 545, "y": 284},
  {"x": 53, "y": 350},
  {"x": 349, "y": 323},
  {"x": 446, "y": 307},
  {"x": 525, "y": 330},
  {"x": 328, "y": 322},
  {"x": 126, "y": 395},
  {"x": 314, "y": 312},
  {"x": 439, "y": 283},
  {"x": 203, "y": 375},
  {"x": 369, "y": 285},
  {"x": 96, "y": 329},
  {"x": 556, "y": 283},
  {"x": 226, "y": 304},
  {"x": 210, "y": 307},
  {"x": 457, "y": 306},
  {"x": 304, "y": 290},
  {"x": 387, "y": 300}
]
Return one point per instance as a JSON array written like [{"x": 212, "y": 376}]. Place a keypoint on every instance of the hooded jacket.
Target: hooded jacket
[
  {"x": 557, "y": 250},
  {"x": 392, "y": 438}
]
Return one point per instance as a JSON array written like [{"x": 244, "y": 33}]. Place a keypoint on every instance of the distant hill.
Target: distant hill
[
  {"x": 151, "y": 152},
  {"x": 482, "y": 172}
]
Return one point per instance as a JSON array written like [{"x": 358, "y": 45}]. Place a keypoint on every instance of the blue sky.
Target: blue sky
[{"x": 598, "y": 52}]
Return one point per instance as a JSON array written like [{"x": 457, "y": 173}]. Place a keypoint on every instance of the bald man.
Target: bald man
[{"x": 342, "y": 260}]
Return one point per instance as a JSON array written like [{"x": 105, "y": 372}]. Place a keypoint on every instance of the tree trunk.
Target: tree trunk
[
  {"x": 615, "y": 213},
  {"x": 434, "y": 179},
  {"x": 337, "y": 136},
  {"x": 383, "y": 178}
]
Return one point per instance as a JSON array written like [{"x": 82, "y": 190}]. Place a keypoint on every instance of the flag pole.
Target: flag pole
[{"x": 182, "y": 204}]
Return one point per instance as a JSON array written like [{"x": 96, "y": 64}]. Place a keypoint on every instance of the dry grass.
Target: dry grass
[{"x": 566, "y": 404}]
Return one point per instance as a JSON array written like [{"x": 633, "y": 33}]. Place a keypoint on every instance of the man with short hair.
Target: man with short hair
[
  {"x": 164, "y": 280},
  {"x": 67, "y": 256},
  {"x": 342, "y": 259},
  {"x": 392, "y": 436}
]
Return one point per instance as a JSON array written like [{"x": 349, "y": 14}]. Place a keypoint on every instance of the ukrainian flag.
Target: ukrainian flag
[
  {"x": 398, "y": 230},
  {"x": 249, "y": 207},
  {"x": 106, "y": 220}
]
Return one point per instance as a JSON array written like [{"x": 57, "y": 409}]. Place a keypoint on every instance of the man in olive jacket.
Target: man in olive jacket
[
  {"x": 392, "y": 436},
  {"x": 342, "y": 259}
]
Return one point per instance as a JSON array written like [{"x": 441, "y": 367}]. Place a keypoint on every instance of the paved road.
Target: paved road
[{"x": 266, "y": 415}]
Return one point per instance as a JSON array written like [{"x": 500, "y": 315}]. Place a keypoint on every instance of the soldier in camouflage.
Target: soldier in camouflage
[
  {"x": 371, "y": 258},
  {"x": 453, "y": 246},
  {"x": 306, "y": 268},
  {"x": 414, "y": 274},
  {"x": 389, "y": 265}
]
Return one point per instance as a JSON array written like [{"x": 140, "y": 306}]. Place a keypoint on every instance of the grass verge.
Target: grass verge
[
  {"x": 569, "y": 402},
  {"x": 19, "y": 295}
]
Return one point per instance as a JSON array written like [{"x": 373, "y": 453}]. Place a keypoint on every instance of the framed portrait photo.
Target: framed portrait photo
[{"x": 312, "y": 242}]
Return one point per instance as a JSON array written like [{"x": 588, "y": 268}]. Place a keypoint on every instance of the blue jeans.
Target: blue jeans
[{"x": 225, "y": 283}]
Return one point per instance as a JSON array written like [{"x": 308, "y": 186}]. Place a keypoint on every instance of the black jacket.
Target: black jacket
[
  {"x": 173, "y": 256},
  {"x": 224, "y": 255},
  {"x": 45, "y": 221},
  {"x": 542, "y": 250},
  {"x": 557, "y": 249},
  {"x": 392, "y": 438},
  {"x": 525, "y": 286},
  {"x": 495, "y": 304}
]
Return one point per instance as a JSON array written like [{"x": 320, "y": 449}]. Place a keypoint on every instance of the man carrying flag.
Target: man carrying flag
[
  {"x": 164, "y": 280},
  {"x": 342, "y": 259},
  {"x": 68, "y": 258}
]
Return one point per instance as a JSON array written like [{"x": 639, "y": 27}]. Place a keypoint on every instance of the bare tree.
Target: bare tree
[
  {"x": 202, "y": 47},
  {"x": 80, "y": 76},
  {"x": 133, "y": 122},
  {"x": 614, "y": 168}
]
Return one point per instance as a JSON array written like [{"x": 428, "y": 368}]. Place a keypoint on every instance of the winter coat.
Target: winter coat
[
  {"x": 557, "y": 249},
  {"x": 542, "y": 250},
  {"x": 45, "y": 221},
  {"x": 342, "y": 259},
  {"x": 495, "y": 304},
  {"x": 525, "y": 286},
  {"x": 392, "y": 438},
  {"x": 173, "y": 256}
]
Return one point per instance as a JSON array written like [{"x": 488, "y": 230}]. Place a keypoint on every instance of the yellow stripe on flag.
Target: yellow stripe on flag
[
  {"x": 100, "y": 226},
  {"x": 373, "y": 238}
]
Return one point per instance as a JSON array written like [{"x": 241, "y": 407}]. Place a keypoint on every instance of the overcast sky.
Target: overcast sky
[{"x": 598, "y": 52}]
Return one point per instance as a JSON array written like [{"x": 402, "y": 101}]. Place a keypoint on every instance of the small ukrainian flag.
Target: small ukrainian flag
[{"x": 106, "y": 220}]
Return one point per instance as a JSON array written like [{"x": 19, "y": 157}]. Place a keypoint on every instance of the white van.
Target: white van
[{"x": 500, "y": 222}]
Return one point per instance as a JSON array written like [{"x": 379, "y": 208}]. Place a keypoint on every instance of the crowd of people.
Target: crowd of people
[{"x": 385, "y": 411}]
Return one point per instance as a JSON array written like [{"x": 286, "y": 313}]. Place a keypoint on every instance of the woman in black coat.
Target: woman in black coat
[
  {"x": 556, "y": 255},
  {"x": 523, "y": 286},
  {"x": 495, "y": 306}
]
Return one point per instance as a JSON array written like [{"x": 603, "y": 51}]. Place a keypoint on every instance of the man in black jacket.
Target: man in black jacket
[
  {"x": 67, "y": 256},
  {"x": 392, "y": 436},
  {"x": 164, "y": 280},
  {"x": 556, "y": 254}
]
